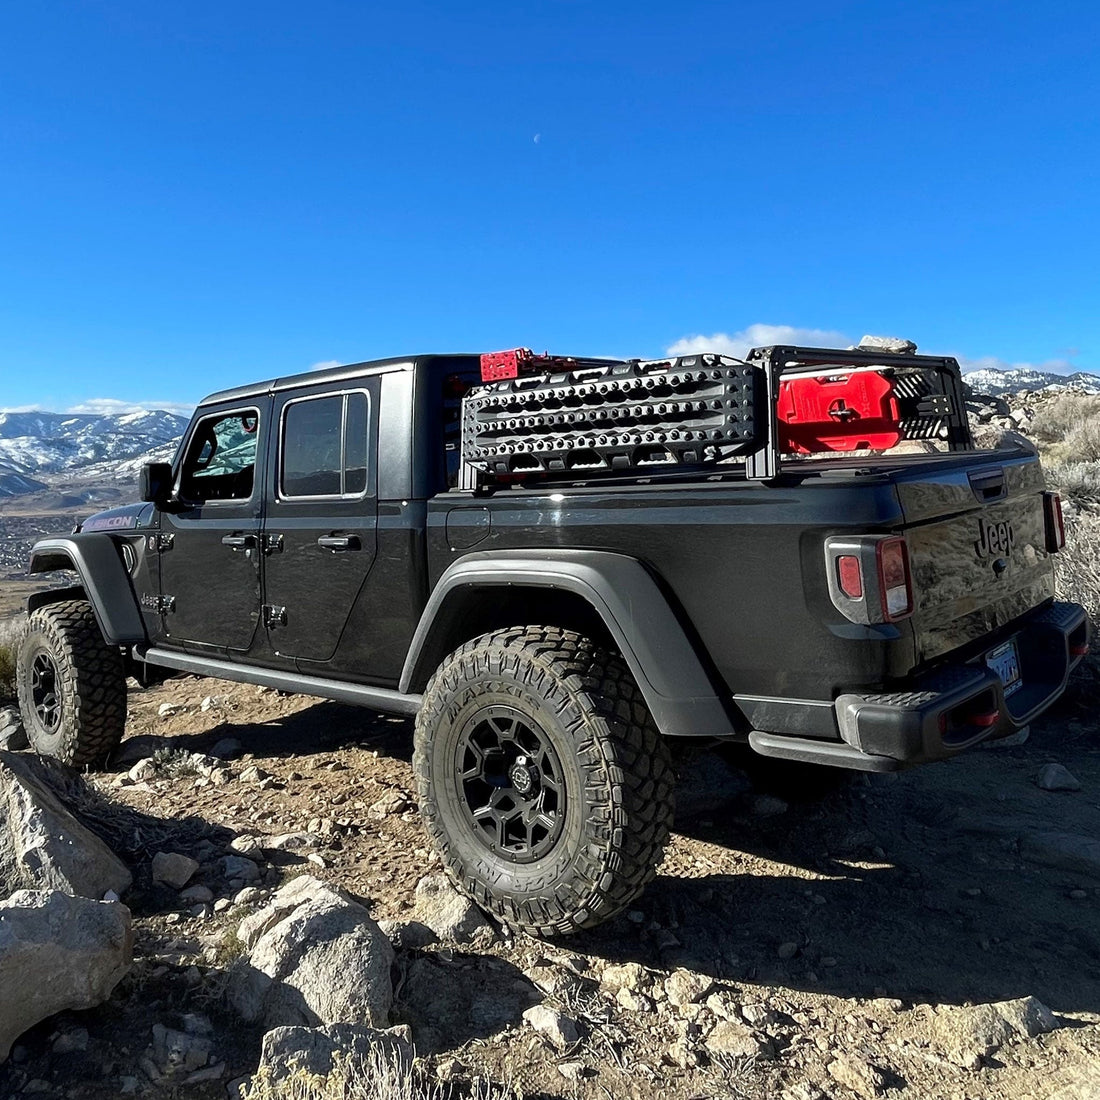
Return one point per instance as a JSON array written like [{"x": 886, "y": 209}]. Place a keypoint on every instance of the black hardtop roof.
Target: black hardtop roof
[{"x": 345, "y": 372}]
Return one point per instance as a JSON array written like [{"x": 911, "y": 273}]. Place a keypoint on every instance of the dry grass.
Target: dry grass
[
  {"x": 11, "y": 631},
  {"x": 1076, "y": 481},
  {"x": 173, "y": 763},
  {"x": 1068, "y": 426},
  {"x": 376, "y": 1077},
  {"x": 1078, "y": 565}
]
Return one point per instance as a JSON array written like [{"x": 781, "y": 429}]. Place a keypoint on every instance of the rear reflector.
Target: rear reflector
[
  {"x": 1055, "y": 522},
  {"x": 1079, "y": 650},
  {"x": 892, "y": 557},
  {"x": 986, "y": 719},
  {"x": 849, "y": 574}
]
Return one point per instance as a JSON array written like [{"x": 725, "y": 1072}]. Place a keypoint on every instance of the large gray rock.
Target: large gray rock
[
  {"x": 969, "y": 1034},
  {"x": 1057, "y": 777},
  {"x": 42, "y": 845},
  {"x": 286, "y": 1049},
  {"x": 12, "y": 734},
  {"x": 316, "y": 957},
  {"x": 174, "y": 868},
  {"x": 57, "y": 953},
  {"x": 452, "y": 916},
  {"x": 1073, "y": 852}
]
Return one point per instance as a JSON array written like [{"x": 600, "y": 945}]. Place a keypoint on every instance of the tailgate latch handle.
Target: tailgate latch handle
[{"x": 988, "y": 484}]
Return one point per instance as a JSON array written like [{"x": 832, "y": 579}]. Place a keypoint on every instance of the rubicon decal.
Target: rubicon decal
[{"x": 994, "y": 538}]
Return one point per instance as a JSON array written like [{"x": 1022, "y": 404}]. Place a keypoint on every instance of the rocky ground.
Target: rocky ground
[{"x": 806, "y": 936}]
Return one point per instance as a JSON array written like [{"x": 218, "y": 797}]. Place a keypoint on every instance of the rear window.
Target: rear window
[{"x": 325, "y": 447}]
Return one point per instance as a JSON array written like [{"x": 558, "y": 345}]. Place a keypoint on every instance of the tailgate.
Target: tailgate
[{"x": 977, "y": 548}]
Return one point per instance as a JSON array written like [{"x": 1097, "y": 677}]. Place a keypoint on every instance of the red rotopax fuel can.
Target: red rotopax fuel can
[
  {"x": 838, "y": 413},
  {"x": 499, "y": 365}
]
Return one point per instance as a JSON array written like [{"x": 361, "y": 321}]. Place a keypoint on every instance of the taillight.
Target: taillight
[
  {"x": 895, "y": 587},
  {"x": 869, "y": 578},
  {"x": 850, "y": 575},
  {"x": 1055, "y": 522}
]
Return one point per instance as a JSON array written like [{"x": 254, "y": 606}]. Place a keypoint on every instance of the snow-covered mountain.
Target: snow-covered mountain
[
  {"x": 35, "y": 445},
  {"x": 995, "y": 382}
]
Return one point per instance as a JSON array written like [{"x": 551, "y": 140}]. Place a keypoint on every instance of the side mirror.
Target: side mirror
[{"x": 156, "y": 481}]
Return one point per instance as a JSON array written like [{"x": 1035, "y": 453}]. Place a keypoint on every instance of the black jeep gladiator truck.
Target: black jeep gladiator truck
[{"x": 559, "y": 564}]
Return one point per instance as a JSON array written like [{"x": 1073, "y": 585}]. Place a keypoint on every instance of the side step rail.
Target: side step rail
[{"x": 377, "y": 698}]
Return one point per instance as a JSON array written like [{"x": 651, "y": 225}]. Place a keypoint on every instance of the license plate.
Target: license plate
[{"x": 1005, "y": 662}]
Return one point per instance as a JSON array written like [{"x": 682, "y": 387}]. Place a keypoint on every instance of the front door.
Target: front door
[
  {"x": 210, "y": 565},
  {"x": 322, "y": 512}
]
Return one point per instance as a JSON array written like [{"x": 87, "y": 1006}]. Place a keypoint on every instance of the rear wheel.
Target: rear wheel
[
  {"x": 543, "y": 782},
  {"x": 71, "y": 684}
]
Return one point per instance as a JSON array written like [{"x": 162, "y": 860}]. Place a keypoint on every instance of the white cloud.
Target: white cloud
[
  {"x": 107, "y": 406},
  {"x": 761, "y": 336},
  {"x": 738, "y": 344},
  {"x": 326, "y": 363},
  {"x": 112, "y": 406}
]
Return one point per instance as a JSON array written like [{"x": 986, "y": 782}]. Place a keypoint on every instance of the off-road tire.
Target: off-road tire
[
  {"x": 615, "y": 771},
  {"x": 82, "y": 720}
]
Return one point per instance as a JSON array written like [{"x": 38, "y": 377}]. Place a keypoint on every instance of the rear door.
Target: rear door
[
  {"x": 209, "y": 557},
  {"x": 322, "y": 514}
]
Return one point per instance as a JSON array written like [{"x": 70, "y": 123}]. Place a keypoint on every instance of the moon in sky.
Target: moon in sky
[{"x": 538, "y": 138}]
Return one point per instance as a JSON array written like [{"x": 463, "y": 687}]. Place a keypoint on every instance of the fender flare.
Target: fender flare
[
  {"x": 652, "y": 640},
  {"x": 103, "y": 577}
]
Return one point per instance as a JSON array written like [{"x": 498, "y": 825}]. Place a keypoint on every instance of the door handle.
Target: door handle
[
  {"x": 239, "y": 542},
  {"x": 338, "y": 542}
]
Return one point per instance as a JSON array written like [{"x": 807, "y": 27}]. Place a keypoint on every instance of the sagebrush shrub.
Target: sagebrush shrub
[
  {"x": 1069, "y": 415},
  {"x": 1076, "y": 481},
  {"x": 1078, "y": 564},
  {"x": 11, "y": 631},
  {"x": 376, "y": 1077},
  {"x": 1083, "y": 440}
]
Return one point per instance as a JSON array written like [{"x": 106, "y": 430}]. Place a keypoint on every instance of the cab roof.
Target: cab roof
[{"x": 345, "y": 372}]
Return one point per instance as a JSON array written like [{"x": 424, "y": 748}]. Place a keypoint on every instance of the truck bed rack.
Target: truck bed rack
[{"x": 544, "y": 416}]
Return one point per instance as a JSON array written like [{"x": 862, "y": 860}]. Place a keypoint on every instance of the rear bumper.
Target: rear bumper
[{"x": 951, "y": 708}]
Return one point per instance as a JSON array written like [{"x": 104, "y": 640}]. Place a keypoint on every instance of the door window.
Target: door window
[
  {"x": 324, "y": 447},
  {"x": 221, "y": 458}
]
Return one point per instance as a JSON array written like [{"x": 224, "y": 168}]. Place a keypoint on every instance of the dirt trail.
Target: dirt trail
[{"x": 836, "y": 928}]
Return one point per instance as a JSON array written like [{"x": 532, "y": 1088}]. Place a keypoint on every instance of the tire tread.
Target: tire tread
[
  {"x": 93, "y": 683},
  {"x": 617, "y": 746}
]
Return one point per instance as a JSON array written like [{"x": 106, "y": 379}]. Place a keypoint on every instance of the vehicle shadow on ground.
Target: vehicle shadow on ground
[
  {"x": 912, "y": 888},
  {"x": 867, "y": 934},
  {"x": 322, "y": 727},
  {"x": 453, "y": 997}
]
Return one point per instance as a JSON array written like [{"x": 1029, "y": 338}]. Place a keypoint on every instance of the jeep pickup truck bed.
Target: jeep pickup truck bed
[{"x": 555, "y": 577}]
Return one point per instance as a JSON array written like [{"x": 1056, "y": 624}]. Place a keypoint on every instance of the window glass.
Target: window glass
[
  {"x": 355, "y": 444},
  {"x": 221, "y": 459},
  {"x": 311, "y": 447}
]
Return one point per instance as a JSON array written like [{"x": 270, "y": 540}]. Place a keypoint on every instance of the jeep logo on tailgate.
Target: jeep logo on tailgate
[{"x": 994, "y": 538}]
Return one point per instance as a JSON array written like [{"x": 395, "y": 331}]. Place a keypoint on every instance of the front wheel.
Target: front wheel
[
  {"x": 543, "y": 782},
  {"x": 71, "y": 684}
]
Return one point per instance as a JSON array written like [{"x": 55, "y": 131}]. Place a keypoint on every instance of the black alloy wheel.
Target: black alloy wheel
[
  {"x": 511, "y": 779},
  {"x": 45, "y": 691}
]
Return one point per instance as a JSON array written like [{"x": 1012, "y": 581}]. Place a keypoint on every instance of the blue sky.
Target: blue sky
[{"x": 194, "y": 195}]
